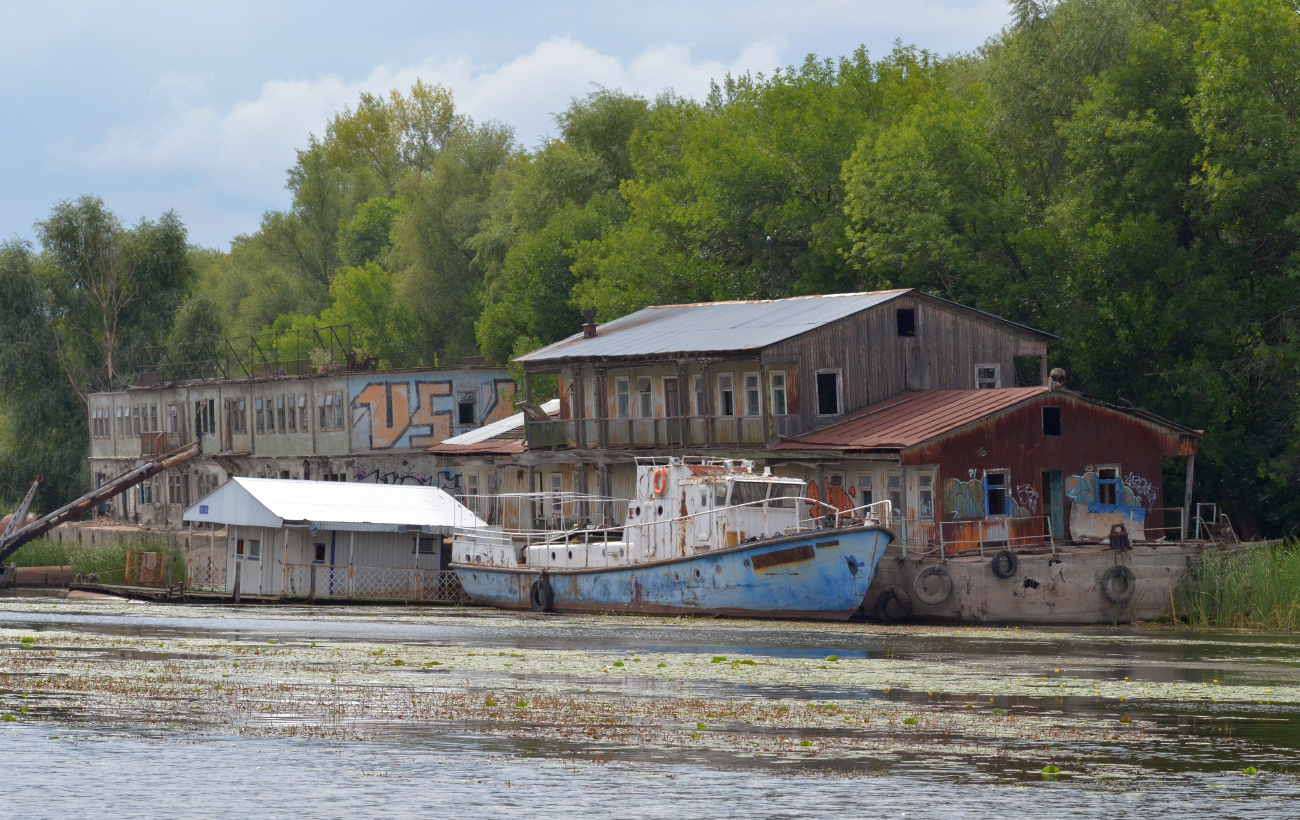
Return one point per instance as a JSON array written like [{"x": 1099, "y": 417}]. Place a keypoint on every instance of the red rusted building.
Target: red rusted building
[{"x": 1002, "y": 466}]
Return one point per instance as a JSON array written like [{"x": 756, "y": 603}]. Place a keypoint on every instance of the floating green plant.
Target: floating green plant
[
  {"x": 719, "y": 659},
  {"x": 519, "y": 704},
  {"x": 490, "y": 703},
  {"x": 663, "y": 666},
  {"x": 29, "y": 639},
  {"x": 1050, "y": 769},
  {"x": 997, "y": 711},
  {"x": 398, "y": 662},
  {"x": 910, "y": 721},
  {"x": 8, "y": 718},
  {"x": 832, "y": 657},
  {"x": 805, "y": 743},
  {"x": 618, "y": 663},
  {"x": 699, "y": 726},
  {"x": 749, "y": 663},
  {"x": 1250, "y": 770}
]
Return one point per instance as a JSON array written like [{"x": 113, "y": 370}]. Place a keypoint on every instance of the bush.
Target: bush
[{"x": 108, "y": 560}]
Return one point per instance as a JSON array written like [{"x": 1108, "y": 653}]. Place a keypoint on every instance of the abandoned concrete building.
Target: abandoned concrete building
[
  {"x": 340, "y": 425},
  {"x": 943, "y": 410}
]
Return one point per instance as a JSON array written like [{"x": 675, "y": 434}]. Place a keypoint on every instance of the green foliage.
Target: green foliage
[
  {"x": 108, "y": 560},
  {"x": 368, "y": 235},
  {"x": 1250, "y": 589}
]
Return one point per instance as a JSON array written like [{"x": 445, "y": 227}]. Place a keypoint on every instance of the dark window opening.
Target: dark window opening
[
  {"x": 828, "y": 394},
  {"x": 320, "y": 553},
  {"x": 997, "y": 500},
  {"x": 1108, "y": 485},
  {"x": 1051, "y": 421},
  {"x": 465, "y": 413},
  {"x": 426, "y": 545},
  {"x": 906, "y": 322}
]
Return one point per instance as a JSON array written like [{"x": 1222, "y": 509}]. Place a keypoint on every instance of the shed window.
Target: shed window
[
  {"x": 254, "y": 552},
  {"x": 1108, "y": 485},
  {"x": 427, "y": 545},
  {"x": 779, "y": 404},
  {"x": 645, "y": 398},
  {"x": 987, "y": 377},
  {"x": 997, "y": 499},
  {"x": 320, "y": 553},
  {"x": 623, "y": 398},
  {"x": 726, "y": 394},
  {"x": 906, "y": 322},
  {"x": 753, "y": 395},
  {"x": 1051, "y": 421},
  {"x": 828, "y": 393}
]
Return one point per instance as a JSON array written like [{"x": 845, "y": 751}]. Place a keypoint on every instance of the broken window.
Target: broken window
[
  {"x": 135, "y": 420},
  {"x": 1108, "y": 485},
  {"x": 906, "y": 322},
  {"x": 622, "y": 398},
  {"x": 753, "y": 395},
  {"x": 174, "y": 491},
  {"x": 303, "y": 414},
  {"x": 338, "y": 410},
  {"x": 997, "y": 498},
  {"x": 1051, "y": 421},
  {"x": 726, "y": 394},
  {"x": 987, "y": 377},
  {"x": 467, "y": 407},
  {"x": 777, "y": 382},
  {"x": 828, "y": 393},
  {"x": 153, "y": 418}
]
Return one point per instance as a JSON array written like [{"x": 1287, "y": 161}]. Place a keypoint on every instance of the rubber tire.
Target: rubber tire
[
  {"x": 541, "y": 596},
  {"x": 1114, "y": 576},
  {"x": 901, "y": 605},
  {"x": 1005, "y": 557},
  {"x": 932, "y": 598}
]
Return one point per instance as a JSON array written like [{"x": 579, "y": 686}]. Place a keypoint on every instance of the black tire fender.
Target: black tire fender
[
  {"x": 1005, "y": 563},
  {"x": 923, "y": 591},
  {"x": 541, "y": 596},
  {"x": 893, "y": 605},
  {"x": 1118, "y": 584}
]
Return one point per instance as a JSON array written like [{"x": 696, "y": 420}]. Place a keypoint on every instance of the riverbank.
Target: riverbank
[{"x": 1255, "y": 588}]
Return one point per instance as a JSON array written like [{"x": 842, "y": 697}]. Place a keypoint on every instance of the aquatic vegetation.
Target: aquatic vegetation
[
  {"x": 106, "y": 560},
  {"x": 1250, "y": 770},
  {"x": 719, "y": 659},
  {"x": 910, "y": 721},
  {"x": 832, "y": 657},
  {"x": 1250, "y": 589}
]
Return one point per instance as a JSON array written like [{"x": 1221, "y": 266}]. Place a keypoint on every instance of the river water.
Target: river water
[{"x": 137, "y": 710}]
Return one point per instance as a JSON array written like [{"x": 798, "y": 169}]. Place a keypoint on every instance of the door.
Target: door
[{"x": 1054, "y": 501}]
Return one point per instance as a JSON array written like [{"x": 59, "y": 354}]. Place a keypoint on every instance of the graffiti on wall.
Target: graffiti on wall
[
  {"x": 402, "y": 411},
  {"x": 1141, "y": 488},
  {"x": 963, "y": 499},
  {"x": 1083, "y": 490},
  {"x": 444, "y": 480},
  {"x": 1027, "y": 498}
]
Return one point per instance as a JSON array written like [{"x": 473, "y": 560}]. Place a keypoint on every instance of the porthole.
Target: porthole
[
  {"x": 676, "y": 577},
  {"x": 718, "y": 568},
  {"x": 638, "y": 512},
  {"x": 570, "y": 555},
  {"x": 552, "y": 555},
  {"x": 659, "y": 510},
  {"x": 747, "y": 562},
  {"x": 697, "y": 573}
]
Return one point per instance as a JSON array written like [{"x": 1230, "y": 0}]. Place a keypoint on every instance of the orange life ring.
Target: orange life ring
[{"x": 660, "y": 485}]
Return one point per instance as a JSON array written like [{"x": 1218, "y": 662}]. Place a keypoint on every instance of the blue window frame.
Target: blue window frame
[{"x": 997, "y": 493}]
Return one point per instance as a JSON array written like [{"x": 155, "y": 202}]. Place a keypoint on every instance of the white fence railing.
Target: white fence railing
[{"x": 321, "y": 581}]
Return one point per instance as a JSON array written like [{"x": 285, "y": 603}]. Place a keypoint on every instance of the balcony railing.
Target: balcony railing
[
  {"x": 683, "y": 431},
  {"x": 155, "y": 444}
]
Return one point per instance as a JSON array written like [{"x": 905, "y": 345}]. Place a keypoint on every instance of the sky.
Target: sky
[{"x": 199, "y": 106}]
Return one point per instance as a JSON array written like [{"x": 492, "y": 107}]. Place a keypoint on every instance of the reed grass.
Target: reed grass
[
  {"x": 1250, "y": 589},
  {"x": 107, "y": 560}
]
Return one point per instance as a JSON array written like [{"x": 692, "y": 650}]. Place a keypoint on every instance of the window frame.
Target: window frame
[
  {"x": 698, "y": 394},
  {"x": 774, "y": 390},
  {"x": 997, "y": 375},
  {"x": 922, "y": 490},
  {"x": 727, "y": 408},
  {"x": 1004, "y": 487},
  {"x": 622, "y": 397},
  {"x": 1116, "y": 484},
  {"x": 838, "y": 373},
  {"x": 645, "y": 397},
  {"x": 753, "y": 393}
]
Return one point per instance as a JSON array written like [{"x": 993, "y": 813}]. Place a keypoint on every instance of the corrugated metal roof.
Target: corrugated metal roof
[
  {"x": 331, "y": 505},
  {"x": 910, "y": 419},
  {"x": 509, "y": 427},
  {"x": 711, "y": 327}
]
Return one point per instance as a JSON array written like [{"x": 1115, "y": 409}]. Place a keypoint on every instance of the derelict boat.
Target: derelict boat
[{"x": 713, "y": 538}]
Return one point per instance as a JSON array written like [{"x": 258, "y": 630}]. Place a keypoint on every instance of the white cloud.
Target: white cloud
[{"x": 244, "y": 150}]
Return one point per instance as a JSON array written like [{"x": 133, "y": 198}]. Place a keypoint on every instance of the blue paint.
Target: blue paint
[
  {"x": 203, "y": 509},
  {"x": 1129, "y": 512},
  {"x": 830, "y": 585}
]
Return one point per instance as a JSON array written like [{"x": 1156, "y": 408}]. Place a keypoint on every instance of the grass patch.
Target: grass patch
[
  {"x": 108, "y": 560},
  {"x": 1251, "y": 589}
]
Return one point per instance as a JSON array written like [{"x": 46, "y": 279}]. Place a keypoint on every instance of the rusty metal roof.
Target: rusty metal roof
[
  {"x": 910, "y": 418},
  {"x": 727, "y": 327},
  {"x": 710, "y": 327}
]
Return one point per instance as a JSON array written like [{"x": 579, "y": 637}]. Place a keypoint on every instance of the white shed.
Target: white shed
[{"x": 332, "y": 539}]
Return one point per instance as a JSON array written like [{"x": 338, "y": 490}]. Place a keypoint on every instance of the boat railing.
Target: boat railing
[{"x": 553, "y": 510}]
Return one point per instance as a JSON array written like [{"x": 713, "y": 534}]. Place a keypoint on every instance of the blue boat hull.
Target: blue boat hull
[{"x": 820, "y": 575}]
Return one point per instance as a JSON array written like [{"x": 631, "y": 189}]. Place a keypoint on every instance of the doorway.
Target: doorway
[{"x": 1054, "y": 501}]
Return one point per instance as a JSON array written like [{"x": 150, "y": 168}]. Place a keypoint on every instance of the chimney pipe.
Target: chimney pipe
[{"x": 589, "y": 328}]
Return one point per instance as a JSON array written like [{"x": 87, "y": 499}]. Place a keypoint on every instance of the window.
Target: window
[
  {"x": 672, "y": 399},
  {"x": 865, "y": 489},
  {"x": 175, "y": 493},
  {"x": 784, "y": 496},
  {"x": 987, "y": 377},
  {"x": 135, "y": 420},
  {"x": 753, "y": 395},
  {"x": 324, "y": 405},
  {"x": 254, "y": 550},
  {"x": 426, "y": 545},
  {"x": 121, "y": 426},
  {"x": 257, "y": 414},
  {"x": 338, "y": 410},
  {"x": 748, "y": 492},
  {"x": 894, "y": 488},
  {"x": 144, "y": 492},
  {"x": 726, "y": 394},
  {"x": 720, "y": 494},
  {"x": 925, "y": 496},
  {"x": 293, "y": 415},
  {"x": 997, "y": 498},
  {"x": 279, "y": 413},
  {"x": 303, "y": 415},
  {"x": 1108, "y": 485},
  {"x": 645, "y": 398},
  {"x": 1051, "y": 421},
  {"x": 622, "y": 398},
  {"x": 906, "y": 322},
  {"x": 319, "y": 557},
  {"x": 697, "y": 387},
  {"x": 471, "y": 484},
  {"x": 828, "y": 393},
  {"x": 466, "y": 407},
  {"x": 153, "y": 418},
  {"x": 99, "y": 422},
  {"x": 777, "y": 381},
  {"x": 239, "y": 546},
  {"x": 235, "y": 413}
]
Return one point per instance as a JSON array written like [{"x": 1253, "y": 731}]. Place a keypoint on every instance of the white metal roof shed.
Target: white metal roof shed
[{"x": 332, "y": 505}]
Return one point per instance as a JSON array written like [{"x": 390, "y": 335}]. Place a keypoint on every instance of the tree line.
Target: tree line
[{"x": 1122, "y": 173}]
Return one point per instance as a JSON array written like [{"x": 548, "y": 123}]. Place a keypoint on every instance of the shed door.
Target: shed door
[{"x": 1054, "y": 501}]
